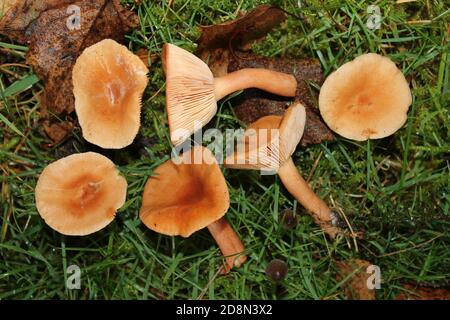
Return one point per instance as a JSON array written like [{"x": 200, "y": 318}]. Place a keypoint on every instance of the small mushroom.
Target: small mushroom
[
  {"x": 289, "y": 220},
  {"x": 190, "y": 194},
  {"x": 192, "y": 91},
  {"x": 277, "y": 270},
  {"x": 80, "y": 194},
  {"x": 273, "y": 151},
  {"x": 367, "y": 98},
  {"x": 108, "y": 83},
  {"x": 5, "y": 5}
]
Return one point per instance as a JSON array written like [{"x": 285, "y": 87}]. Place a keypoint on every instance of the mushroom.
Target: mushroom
[
  {"x": 367, "y": 98},
  {"x": 80, "y": 194},
  {"x": 108, "y": 83},
  {"x": 189, "y": 194},
  {"x": 192, "y": 91},
  {"x": 5, "y": 5},
  {"x": 268, "y": 145},
  {"x": 277, "y": 270}
]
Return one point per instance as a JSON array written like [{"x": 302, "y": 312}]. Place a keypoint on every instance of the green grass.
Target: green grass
[{"x": 396, "y": 190}]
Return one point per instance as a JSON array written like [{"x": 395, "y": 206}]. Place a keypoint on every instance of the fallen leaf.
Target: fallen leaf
[
  {"x": 55, "y": 41},
  {"x": 423, "y": 293},
  {"x": 57, "y": 131},
  {"x": 224, "y": 47},
  {"x": 216, "y": 40},
  {"x": 19, "y": 15},
  {"x": 146, "y": 57},
  {"x": 242, "y": 31},
  {"x": 355, "y": 287}
]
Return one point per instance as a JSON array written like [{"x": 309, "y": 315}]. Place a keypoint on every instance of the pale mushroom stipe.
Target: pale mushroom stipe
[
  {"x": 366, "y": 98},
  {"x": 275, "y": 155},
  {"x": 192, "y": 91},
  {"x": 108, "y": 83},
  {"x": 80, "y": 194},
  {"x": 183, "y": 197}
]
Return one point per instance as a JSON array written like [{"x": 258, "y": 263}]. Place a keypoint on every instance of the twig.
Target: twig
[
  {"x": 352, "y": 233},
  {"x": 313, "y": 169},
  {"x": 202, "y": 294}
]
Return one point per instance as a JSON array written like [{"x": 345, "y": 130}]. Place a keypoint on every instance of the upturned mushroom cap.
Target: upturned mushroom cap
[
  {"x": 367, "y": 98},
  {"x": 276, "y": 138},
  {"x": 5, "y": 5},
  {"x": 108, "y": 83},
  {"x": 80, "y": 194},
  {"x": 190, "y": 97},
  {"x": 185, "y": 196}
]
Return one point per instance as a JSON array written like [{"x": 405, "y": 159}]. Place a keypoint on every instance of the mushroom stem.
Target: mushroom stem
[
  {"x": 299, "y": 188},
  {"x": 229, "y": 243},
  {"x": 274, "y": 82}
]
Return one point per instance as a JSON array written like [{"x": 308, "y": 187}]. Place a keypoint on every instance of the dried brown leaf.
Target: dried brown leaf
[
  {"x": 242, "y": 31},
  {"x": 146, "y": 57},
  {"x": 216, "y": 40},
  {"x": 54, "y": 48},
  {"x": 57, "y": 131},
  {"x": 355, "y": 287},
  {"x": 222, "y": 46},
  {"x": 423, "y": 293}
]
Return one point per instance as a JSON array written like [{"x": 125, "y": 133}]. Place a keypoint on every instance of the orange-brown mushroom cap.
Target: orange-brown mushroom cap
[
  {"x": 5, "y": 5},
  {"x": 275, "y": 139},
  {"x": 108, "y": 83},
  {"x": 367, "y": 98},
  {"x": 80, "y": 194},
  {"x": 186, "y": 195}
]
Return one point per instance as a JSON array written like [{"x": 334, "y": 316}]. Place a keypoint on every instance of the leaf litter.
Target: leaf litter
[{"x": 226, "y": 48}]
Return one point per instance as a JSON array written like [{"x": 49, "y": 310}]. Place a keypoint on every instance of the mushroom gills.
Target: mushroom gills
[
  {"x": 192, "y": 91},
  {"x": 290, "y": 127}
]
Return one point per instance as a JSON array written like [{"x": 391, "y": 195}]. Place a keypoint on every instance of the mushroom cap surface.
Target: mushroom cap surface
[
  {"x": 5, "y": 5},
  {"x": 184, "y": 196},
  {"x": 80, "y": 194},
  {"x": 269, "y": 141},
  {"x": 190, "y": 97},
  {"x": 366, "y": 98},
  {"x": 108, "y": 83}
]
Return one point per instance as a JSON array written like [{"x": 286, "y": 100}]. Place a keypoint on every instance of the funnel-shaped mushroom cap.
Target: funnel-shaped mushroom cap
[
  {"x": 80, "y": 194},
  {"x": 190, "y": 97},
  {"x": 108, "y": 83},
  {"x": 5, "y": 5},
  {"x": 185, "y": 196},
  {"x": 269, "y": 141},
  {"x": 366, "y": 98}
]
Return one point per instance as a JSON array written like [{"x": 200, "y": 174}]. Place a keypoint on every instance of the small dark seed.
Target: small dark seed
[{"x": 276, "y": 270}]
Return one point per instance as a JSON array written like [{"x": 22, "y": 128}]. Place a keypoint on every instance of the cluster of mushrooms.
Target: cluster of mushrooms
[{"x": 77, "y": 195}]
